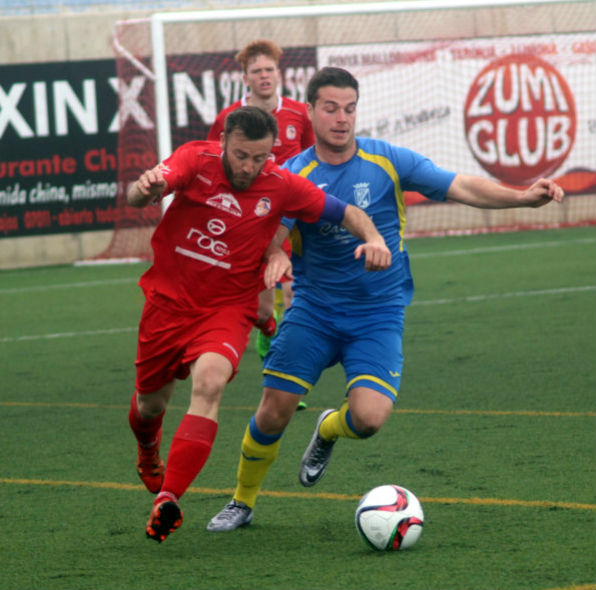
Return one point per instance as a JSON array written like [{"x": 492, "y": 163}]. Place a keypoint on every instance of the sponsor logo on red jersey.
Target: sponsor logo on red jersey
[{"x": 226, "y": 202}]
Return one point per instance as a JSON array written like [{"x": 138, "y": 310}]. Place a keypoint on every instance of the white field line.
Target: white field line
[
  {"x": 508, "y": 248},
  {"x": 84, "y": 284},
  {"x": 58, "y": 335},
  {"x": 470, "y": 299},
  {"x": 459, "y": 252},
  {"x": 481, "y": 298}
]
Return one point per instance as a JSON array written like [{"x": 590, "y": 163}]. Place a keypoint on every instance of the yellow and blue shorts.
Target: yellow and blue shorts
[{"x": 310, "y": 339}]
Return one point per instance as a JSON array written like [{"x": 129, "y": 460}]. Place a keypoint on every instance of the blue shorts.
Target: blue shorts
[{"x": 368, "y": 346}]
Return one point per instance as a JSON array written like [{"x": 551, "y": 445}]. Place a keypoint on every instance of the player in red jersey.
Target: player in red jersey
[
  {"x": 261, "y": 74},
  {"x": 202, "y": 290}
]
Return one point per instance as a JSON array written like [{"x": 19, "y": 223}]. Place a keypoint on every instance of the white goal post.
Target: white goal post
[
  {"x": 502, "y": 88},
  {"x": 160, "y": 19}
]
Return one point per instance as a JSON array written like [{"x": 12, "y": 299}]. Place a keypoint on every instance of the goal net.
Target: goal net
[{"x": 504, "y": 91}]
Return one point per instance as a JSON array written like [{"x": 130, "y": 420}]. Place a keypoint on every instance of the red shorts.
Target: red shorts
[{"x": 169, "y": 342}]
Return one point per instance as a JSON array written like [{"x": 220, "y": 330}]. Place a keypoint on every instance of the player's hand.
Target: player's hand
[
  {"x": 278, "y": 266},
  {"x": 147, "y": 188},
  {"x": 543, "y": 191},
  {"x": 376, "y": 255},
  {"x": 151, "y": 182}
]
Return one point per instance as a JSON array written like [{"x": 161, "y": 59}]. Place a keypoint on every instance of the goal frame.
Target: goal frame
[
  {"x": 160, "y": 46},
  {"x": 159, "y": 19}
]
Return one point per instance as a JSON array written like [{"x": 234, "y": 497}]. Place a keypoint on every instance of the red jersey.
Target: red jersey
[
  {"x": 295, "y": 132},
  {"x": 208, "y": 247}
]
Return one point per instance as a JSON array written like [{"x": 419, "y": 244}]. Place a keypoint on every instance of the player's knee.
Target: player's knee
[
  {"x": 367, "y": 431},
  {"x": 368, "y": 423},
  {"x": 368, "y": 412},
  {"x": 152, "y": 404},
  {"x": 208, "y": 385},
  {"x": 150, "y": 408},
  {"x": 272, "y": 420},
  {"x": 264, "y": 313},
  {"x": 273, "y": 415},
  {"x": 266, "y": 305}
]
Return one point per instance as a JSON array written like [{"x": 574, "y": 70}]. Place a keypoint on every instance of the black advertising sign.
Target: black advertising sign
[
  {"x": 58, "y": 134},
  {"x": 201, "y": 85},
  {"x": 59, "y": 127}
]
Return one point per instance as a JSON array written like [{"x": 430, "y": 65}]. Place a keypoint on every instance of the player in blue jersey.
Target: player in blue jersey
[{"x": 340, "y": 313}]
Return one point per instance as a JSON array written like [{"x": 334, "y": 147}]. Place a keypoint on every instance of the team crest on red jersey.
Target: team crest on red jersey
[
  {"x": 291, "y": 132},
  {"x": 263, "y": 207}
]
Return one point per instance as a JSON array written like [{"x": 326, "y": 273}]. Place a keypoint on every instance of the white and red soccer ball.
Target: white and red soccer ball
[{"x": 389, "y": 518}]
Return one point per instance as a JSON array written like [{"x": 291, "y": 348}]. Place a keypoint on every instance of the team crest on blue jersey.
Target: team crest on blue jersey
[
  {"x": 291, "y": 132},
  {"x": 263, "y": 207},
  {"x": 362, "y": 194}
]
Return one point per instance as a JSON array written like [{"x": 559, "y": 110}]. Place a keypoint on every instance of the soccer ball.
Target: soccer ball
[{"x": 389, "y": 518}]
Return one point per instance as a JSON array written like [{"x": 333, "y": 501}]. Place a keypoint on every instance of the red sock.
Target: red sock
[
  {"x": 145, "y": 431},
  {"x": 268, "y": 326},
  {"x": 189, "y": 451}
]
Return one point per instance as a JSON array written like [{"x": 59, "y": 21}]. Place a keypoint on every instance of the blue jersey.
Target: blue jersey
[{"x": 374, "y": 179}]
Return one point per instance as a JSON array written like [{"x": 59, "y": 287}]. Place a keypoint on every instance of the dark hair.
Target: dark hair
[
  {"x": 253, "y": 122},
  {"x": 329, "y": 76}
]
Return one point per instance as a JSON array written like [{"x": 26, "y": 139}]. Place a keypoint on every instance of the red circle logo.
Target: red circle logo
[{"x": 520, "y": 119}]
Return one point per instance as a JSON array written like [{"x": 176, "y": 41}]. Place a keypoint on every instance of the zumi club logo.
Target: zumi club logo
[{"x": 520, "y": 119}]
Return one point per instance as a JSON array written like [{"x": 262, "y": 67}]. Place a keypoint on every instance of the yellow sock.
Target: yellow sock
[
  {"x": 336, "y": 426},
  {"x": 255, "y": 460}
]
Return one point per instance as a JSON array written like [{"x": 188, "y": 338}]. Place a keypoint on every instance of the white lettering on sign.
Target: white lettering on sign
[{"x": 520, "y": 118}]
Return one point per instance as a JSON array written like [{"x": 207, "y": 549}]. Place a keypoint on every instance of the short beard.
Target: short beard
[{"x": 230, "y": 174}]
